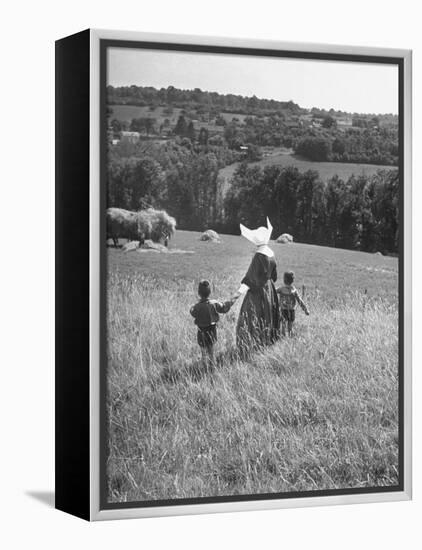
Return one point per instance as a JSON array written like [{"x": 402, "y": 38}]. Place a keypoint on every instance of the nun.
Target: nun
[{"x": 259, "y": 318}]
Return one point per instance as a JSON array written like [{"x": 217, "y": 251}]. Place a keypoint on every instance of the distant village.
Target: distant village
[
  {"x": 167, "y": 129},
  {"x": 252, "y": 127}
]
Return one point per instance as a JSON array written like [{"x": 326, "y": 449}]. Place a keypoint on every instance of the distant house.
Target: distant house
[
  {"x": 131, "y": 137},
  {"x": 115, "y": 141},
  {"x": 344, "y": 121},
  {"x": 292, "y": 122}
]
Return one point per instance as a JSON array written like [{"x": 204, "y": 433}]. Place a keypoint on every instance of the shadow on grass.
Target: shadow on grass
[{"x": 198, "y": 369}]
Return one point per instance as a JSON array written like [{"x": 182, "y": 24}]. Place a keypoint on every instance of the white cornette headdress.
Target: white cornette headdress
[{"x": 260, "y": 236}]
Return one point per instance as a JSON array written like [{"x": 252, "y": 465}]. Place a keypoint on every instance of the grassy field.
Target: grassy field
[
  {"x": 228, "y": 117},
  {"x": 326, "y": 169},
  {"x": 128, "y": 112},
  {"x": 316, "y": 411}
]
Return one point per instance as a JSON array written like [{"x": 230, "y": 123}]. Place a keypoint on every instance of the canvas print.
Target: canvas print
[{"x": 252, "y": 215}]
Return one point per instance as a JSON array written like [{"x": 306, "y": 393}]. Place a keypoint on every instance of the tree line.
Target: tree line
[
  {"x": 206, "y": 102},
  {"x": 360, "y": 213},
  {"x": 213, "y": 102},
  {"x": 181, "y": 177},
  {"x": 357, "y": 147}
]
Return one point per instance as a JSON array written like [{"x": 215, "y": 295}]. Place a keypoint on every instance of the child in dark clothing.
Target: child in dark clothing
[
  {"x": 288, "y": 298},
  {"x": 206, "y": 314}
]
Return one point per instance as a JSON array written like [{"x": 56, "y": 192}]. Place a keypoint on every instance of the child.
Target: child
[
  {"x": 289, "y": 297},
  {"x": 206, "y": 315}
]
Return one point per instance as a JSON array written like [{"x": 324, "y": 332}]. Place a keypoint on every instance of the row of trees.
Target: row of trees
[
  {"x": 360, "y": 213},
  {"x": 181, "y": 177},
  {"x": 213, "y": 103},
  {"x": 208, "y": 101},
  {"x": 365, "y": 147}
]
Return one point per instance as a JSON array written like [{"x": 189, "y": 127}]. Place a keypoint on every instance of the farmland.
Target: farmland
[
  {"x": 318, "y": 411},
  {"x": 326, "y": 169},
  {"x": 128, "y": 112}
]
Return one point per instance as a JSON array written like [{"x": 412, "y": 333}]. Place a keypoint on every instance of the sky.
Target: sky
[{"x": 351, "y": 87}]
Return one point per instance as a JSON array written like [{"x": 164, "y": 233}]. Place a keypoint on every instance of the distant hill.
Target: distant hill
[
  {"x": 246, "y": 124},
  {"x": 145, "y": 96},
  {"x": 231, "y": 103}
]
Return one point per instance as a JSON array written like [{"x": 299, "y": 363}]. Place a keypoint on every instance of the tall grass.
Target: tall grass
[{"x": 317, "y": 411}]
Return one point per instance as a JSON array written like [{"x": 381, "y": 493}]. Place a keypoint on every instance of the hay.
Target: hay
[
  {"x": 152, "y": 224},
  {"x": 130, "y": 246},
  {"x": 160, "y": 223},
  {"x": 151, "y": 245},
  {"x": 285, "y": 238},
  {"x": 210, "y": 236}
]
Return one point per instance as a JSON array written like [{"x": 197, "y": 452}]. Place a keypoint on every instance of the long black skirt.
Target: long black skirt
[{"x": 259, "y": 319}]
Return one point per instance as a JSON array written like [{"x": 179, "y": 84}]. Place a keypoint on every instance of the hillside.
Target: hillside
[
  {"x": 317, "y": 411},
  {"x": 326, "y": 270},
  {"x": 249, "y": 123}
]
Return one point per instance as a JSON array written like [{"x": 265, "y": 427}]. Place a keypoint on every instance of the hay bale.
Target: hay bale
[
  {"x": 151, "y": 245},
  {"x": 130, "y": 246},
  {"x": 121, "y": 224},
  {"x": 156, "y": 225},
  {"x": 210, "y": 236},
  {"x": 285, "y": 238}
]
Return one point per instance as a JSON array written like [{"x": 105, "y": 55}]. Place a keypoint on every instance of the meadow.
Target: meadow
[
  {"x": 317, "y": 411},
  {"x": 326, "y": 169},
  {"x": 128, "y": 112}
]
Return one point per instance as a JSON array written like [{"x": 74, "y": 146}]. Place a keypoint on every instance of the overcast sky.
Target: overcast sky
[{"x": 352, "y": 87}]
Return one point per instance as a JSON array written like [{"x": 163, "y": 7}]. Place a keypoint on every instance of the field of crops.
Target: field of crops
[{"x": 315, "y": 411}]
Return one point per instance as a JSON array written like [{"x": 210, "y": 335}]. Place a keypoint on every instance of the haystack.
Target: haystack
[
  {"x": 130, "y": 246},
  {"x": 151, "y": 245},
  {"x": 285, "y": 238},
  {"x": 161, "y": 224},
  {"x": 210, "y": 235}
]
